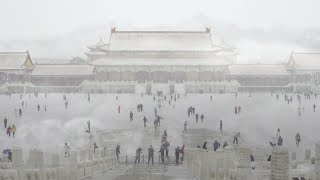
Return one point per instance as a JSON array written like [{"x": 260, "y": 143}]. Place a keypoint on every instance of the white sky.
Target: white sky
[
  {"x": 63, "y": 28},
  {"x": 37, "y": 18}
]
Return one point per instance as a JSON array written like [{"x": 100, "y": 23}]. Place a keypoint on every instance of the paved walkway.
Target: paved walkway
[{"x": 145, "y": 172}]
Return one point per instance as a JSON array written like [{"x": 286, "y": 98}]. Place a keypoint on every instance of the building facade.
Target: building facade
[
  {"x": 15, "y": 66},
  {"x": 160, "y": 56}
]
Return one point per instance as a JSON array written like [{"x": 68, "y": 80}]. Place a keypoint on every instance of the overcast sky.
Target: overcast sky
[{"x": 40, "y": 19}]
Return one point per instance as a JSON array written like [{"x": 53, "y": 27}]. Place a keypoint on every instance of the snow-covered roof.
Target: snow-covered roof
[
  {"x": 15, "y": 60},
  {"x": 62, "y": 70},
  {"x": 258, "y": 70},
  {"x": 304, "y": 61},
  {"x": 160, "y": 40},
  {"x": 100, "y": 44},
  {"x": 160, "y": 62}
]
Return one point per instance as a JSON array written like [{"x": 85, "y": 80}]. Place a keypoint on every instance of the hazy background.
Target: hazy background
[{"x": 262, "y": 31}]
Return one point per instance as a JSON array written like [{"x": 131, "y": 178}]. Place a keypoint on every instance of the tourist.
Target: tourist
[
  {"x": 20, "y": 112},
  {"x": 182, "y": 152},
  {"x": 197, "y": 117},
  {"x": 221, "y": 126},
  {"x": 225, "y": 144},
  {"x": 131, "y": 116},
  {"x": 13, "y": 130},
  {"x": 95, "y": 146},
  {"x": 145, "y": 121},
  {"x": 162, "y": 149},
  {"x": 119, "y": 109},
  {"x": 298, "y": 139},
  {"x": 205, "y": 145},
  {"x": 202, "y": 117},
  {"x": 185, "y": 127},
  {"x": 5, "y": 122},
  {"x": 89, "y": 127},
  {"x": 9, "y": 131},
  {"x": 66, "y": 104},
  {"x": 236, "y": 110},
  {"x": 314, "y": 107},
  {"x": 118, "y": 152},
  {"x": 177, "y": 153},
  {"x": 280, "y": 141},
  {"x": 138, "y": 153},
  {"x": 66, "y": 150},
  {"x": 216, "y": 145},
  {"x": 38, "y": 107},
  {"x": 150, "y": 154}
]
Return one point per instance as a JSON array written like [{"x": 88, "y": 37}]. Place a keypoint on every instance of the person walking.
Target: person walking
[
  {"x": 131, "y": 116},
  {"x": 13, "y": 130},
  {"x": 221, "y": 126},
  {"x": 66, "y": 150},
  {"x": 118, "y": 152},
  {"x": 177, "y": 153},
  {"x": 185, "y": 127},
  {"x": 145, "y": 120},
  {"x": 5, "y": 122},
  {"x": 150, "y": 154},
  {"x": 182, "y": 153},
  {"x": 205, "y": 145},
  {"x": 95, "y": 147},
  {"x": 298, "y": 139},
  {"x": 138, "y": 154}
]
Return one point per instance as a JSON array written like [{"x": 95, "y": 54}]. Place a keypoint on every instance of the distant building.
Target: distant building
[
  {"x": 304, "y": 66},
  {"x": 259, "y": 74},
  {"x": 160, "y": 56},
  {"x": 61, "y": 74},
  {"x": 15, "y": 66}
]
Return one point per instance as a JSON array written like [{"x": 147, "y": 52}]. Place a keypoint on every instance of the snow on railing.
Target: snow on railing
[{"x": 60, "y": 167}]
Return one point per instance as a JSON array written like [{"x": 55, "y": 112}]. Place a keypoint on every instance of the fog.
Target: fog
[{"x": 262, "y": 32}]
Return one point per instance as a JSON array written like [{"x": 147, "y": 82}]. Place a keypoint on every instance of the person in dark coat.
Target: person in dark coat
[
  {"x": 221, "y": 126},
  {"x": 280, "y": 141},
  {"x": 131, "y": 116},
  {"x": 150, "y": 154},
  {"x": 225, "y": 144},
  {"x": 205, "y": 145},
  {"x": 182, "y": 152},
  {"x": 138, "y": 154},
  {"x": 5, "y": 122},
  {"x": 177, "y": 153},
  {"x": 162, "y": 149},
  {"x": 118, "y": 152},
  {"x": 216, "y": 145},
  {"x": 145, "y": 121}
]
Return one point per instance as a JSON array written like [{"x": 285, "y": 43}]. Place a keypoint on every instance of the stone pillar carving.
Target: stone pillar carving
[{"x": 280, "y": 163}]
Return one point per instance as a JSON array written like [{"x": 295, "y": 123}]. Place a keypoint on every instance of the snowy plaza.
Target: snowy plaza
[{"x": 261, "y": 115}]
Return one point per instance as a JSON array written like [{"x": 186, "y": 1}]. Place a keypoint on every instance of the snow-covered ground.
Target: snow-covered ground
[{"x": 261, "y": 115}]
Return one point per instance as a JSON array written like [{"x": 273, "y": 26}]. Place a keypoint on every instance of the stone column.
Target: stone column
[
  {"x": 280, "y": 163},
  {"x": 244, "y": 162},
  {"x": 317, "y": 161},
  {"x": 17, "y": 157},
  {"x": 307, "y": 155}
]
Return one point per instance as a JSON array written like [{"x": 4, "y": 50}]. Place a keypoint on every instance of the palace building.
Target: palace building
[
  {"x": 192, "y": 59},
  {"x": 160, "y": 56}
]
